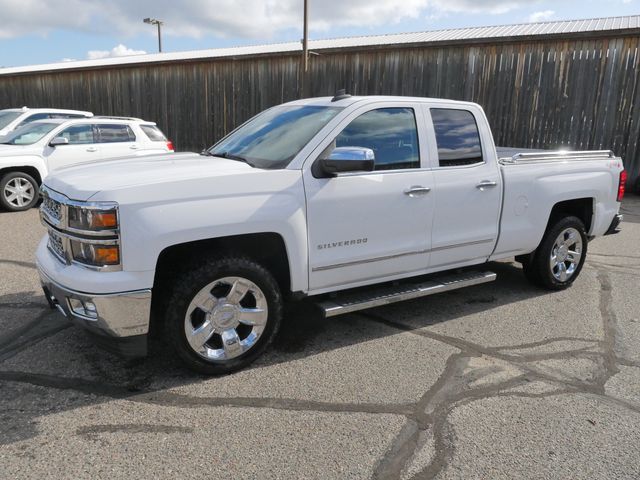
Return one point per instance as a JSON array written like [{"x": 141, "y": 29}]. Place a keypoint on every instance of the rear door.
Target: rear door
[
  {"x": 116, "y": 140},
  {"x": 368, "y": 226},
  {"x": 467, "y": 190}
]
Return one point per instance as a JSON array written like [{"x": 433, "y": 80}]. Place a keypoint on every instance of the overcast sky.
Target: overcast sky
[{"x": 44, "y": 31}]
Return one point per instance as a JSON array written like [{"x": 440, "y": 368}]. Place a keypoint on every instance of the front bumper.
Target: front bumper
[{"x": 119, "y": 321}]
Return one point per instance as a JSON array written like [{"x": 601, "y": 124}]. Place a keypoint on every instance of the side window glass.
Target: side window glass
[
  {"x": 78, "y": 134},
  {"x": 112, "y": 133},
  {"x": 34, "y": 117},
  {"x": 391, "y": 133},
  {"x": 457, "y": 137}
]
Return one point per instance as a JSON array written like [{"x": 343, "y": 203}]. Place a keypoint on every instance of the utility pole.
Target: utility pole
[
  {"x": 158, "y": 23},
  {"x": 305, "y": 38}
]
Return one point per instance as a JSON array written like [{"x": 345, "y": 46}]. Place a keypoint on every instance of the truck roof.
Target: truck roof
[{"x": 350, "y": 100}]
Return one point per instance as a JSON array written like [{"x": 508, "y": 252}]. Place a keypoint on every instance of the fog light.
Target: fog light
[
  {"x": 90, "y": 309},
  {"x": 83, "y": 309}
]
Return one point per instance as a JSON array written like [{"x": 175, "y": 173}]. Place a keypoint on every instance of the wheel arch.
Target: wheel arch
[
  {"x": 582, "y": 208},
  {"x": 28, "y": 169},
  {"x": 267, "y": 248}
]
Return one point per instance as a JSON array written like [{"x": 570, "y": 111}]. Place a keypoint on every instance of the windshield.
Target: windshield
[
  {"x": 7, "y": 117},
  {"x": 271, "y": 139},
  {"x": 28, "y": 134}
]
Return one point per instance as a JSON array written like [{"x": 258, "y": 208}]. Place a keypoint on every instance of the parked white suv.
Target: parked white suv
[
  {"x": 12, "y": 118},
  {"x": 29, "y": 153}
]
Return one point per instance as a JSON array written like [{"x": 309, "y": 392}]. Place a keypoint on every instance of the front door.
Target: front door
[
  {"x": 370, "y": 226},
  {"x": 81, "y": 147}
]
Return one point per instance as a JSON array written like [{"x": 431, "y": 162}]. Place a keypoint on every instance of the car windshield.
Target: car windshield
[
  {"x": 28, "y": 134},
  {"x": 7, "y": 117},
  {"x": 273, "y": 138}
]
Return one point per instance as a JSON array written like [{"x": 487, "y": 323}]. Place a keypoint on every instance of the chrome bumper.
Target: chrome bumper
[{"x": 123, "y": 314}]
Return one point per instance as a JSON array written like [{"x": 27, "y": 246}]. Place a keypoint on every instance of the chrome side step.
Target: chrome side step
[{"x": 351, "y": 302}]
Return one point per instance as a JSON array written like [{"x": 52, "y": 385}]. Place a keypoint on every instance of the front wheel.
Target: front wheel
[
  {"x": 558, "y": 260},
  {"x": 18, "y": 191},
  {"x": 223, "y": 314}
]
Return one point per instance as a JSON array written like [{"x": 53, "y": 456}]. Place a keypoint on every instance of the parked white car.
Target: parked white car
[
  {"x": 12, "y": 118},
  {"x": 348, "y": 201},
  {"x": 29, "y": 153}
]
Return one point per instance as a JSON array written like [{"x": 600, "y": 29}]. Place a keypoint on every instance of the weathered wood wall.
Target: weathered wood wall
[{"x": 578, "y": 93}]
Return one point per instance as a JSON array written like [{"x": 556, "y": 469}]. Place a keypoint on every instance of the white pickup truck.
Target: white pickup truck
[{"x": 353, "y": 202}]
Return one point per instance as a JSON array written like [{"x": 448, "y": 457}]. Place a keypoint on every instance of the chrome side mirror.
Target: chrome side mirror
[
  {"x": 345, "y": 159},
  {"x": 57, "y": 141}
]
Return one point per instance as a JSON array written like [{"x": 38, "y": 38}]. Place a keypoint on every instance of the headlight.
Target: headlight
[
  {"x": 93, "y": 219},
  {"x": 95, "y": 254}
]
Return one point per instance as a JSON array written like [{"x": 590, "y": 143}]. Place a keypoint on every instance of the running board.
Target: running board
[{"x": 351, "y": 302}]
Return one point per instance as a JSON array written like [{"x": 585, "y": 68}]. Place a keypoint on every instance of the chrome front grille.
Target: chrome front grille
[
  {"x": 56, "y": 245},
  {"x": 52, "y": 208}
]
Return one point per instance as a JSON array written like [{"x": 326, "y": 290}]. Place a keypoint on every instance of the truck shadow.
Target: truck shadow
[{"x": 47, "y": 358}]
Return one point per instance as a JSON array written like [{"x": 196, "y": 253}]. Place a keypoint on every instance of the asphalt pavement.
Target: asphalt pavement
[{"x": 501, "y": 380}]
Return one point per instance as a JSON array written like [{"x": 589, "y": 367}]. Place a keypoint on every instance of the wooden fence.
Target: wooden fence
[{"x": 578, "y": 93}]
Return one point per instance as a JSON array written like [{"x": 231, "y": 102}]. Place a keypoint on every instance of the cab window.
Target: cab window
[
  {"x": 457, "y": 137},
  {"x": 391, "y": 133}
]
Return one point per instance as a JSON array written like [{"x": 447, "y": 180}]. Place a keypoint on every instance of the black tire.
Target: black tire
[
  {"x": 537, "y": 266},
  {"x": 186, "y": 287},
  {"x": 13, "y": 206}
]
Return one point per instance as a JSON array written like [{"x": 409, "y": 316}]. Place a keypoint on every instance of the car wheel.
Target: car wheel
[
  {"x": 223, "y": 314},
  {"x": 558, "y": 260},
  {"x": 18, "y": 191}
]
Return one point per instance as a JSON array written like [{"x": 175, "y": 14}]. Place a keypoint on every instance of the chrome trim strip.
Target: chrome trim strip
[
  {"x": 368, "y": 260},
  {"x": 465, "y": 244},
  {"x": 397, "y": 255},
  {"x": 557, "y": 156}
]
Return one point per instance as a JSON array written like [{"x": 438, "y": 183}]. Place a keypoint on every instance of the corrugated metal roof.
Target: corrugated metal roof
[{"x": 436, "y": 36}]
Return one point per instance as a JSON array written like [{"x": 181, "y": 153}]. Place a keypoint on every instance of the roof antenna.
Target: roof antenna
[{"x": 340, "y": 95}]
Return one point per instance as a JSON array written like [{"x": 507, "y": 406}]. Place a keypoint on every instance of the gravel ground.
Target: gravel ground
[{"x": 496, "y": 381}]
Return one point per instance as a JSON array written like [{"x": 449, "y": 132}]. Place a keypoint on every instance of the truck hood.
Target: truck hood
[{"x": 84, "y": 181}]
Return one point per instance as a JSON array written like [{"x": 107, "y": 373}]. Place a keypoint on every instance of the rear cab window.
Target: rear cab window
[
  {"x": 154, "y": 133},
  {"x": 114, "y": 133},
  {"x": 457, "y": 137}
]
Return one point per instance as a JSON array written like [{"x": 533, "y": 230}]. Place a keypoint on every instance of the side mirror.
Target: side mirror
[
  {"x": 59, "y": 141},
  {"x": 345, "y": 159}
]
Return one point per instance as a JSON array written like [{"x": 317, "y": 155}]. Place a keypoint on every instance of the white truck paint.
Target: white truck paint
[
  {"x": 448, "y": 205},
  {"x": 31, "y": 152}
]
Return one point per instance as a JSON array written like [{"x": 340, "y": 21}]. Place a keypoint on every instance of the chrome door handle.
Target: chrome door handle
[
  {"x": 417, "y": 190},
  {"x": 486, "y": 184},
  {"x": 92, "y": 149}
]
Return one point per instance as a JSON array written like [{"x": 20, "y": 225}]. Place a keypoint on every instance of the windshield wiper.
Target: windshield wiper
[{"x": 230, "y": 156}]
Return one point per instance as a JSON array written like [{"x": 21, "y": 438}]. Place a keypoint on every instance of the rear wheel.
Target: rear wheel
[
  {"x": 18, "y": 191},
  {"x": 558, "y": 260},
  {"x": 223, "y": 314}
]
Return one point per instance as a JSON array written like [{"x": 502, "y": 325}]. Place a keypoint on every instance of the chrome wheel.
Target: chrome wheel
[
  {"x": 226, "y": 318},
  {"x": 19, "y": 192},
  {"x": 566, "y": 254}
]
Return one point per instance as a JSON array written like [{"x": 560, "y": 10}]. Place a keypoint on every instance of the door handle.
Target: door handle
[
  {"x": 133, "y": 147},
  {"x": 92, "y": 149},
  {"x": 486, "y": 184},
  {"x": 416, "y": 191}
]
